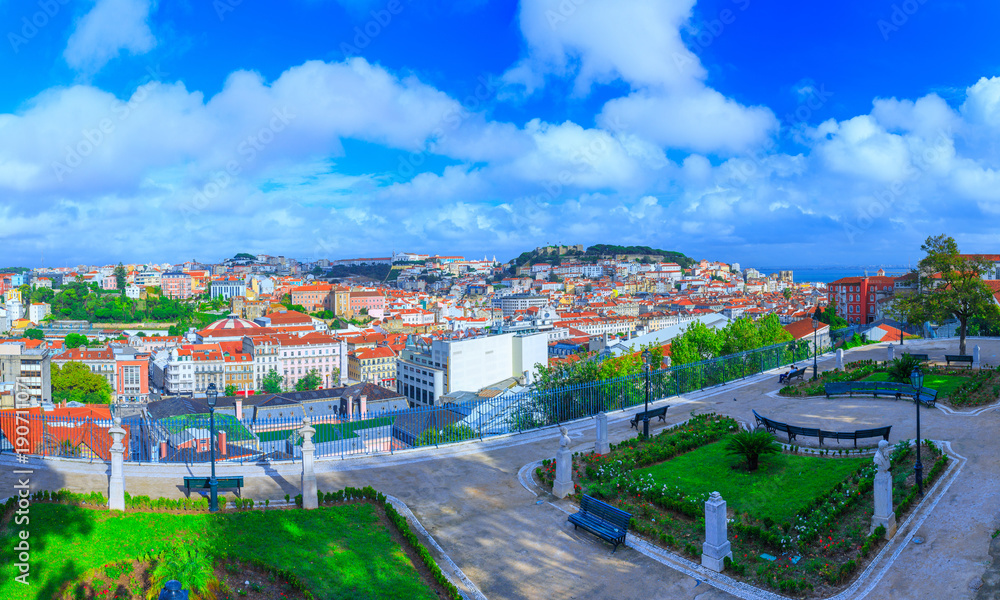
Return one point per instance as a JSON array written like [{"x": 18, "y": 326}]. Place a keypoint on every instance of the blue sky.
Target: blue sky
[{"x": 736, "y": 130}]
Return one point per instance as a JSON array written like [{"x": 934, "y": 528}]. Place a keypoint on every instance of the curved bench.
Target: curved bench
[
  {"x": 794, "y": 431},
  {"x": 880, "y": 388}
]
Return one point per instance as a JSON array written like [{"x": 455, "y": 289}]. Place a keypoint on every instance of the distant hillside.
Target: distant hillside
[{"x": 601, "y": 251}]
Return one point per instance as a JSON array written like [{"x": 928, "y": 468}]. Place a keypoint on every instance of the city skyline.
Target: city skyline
[{"x": 726, "y": 129}]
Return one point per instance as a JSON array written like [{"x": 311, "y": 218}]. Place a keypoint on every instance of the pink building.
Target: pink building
[
  {"x": 176, "y": 285},
  {"x": 372, "y": 303}
]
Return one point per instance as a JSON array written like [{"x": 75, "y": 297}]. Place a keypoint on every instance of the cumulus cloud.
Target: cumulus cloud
[
  {"x": 111, "y": 27},
  {"x": 638, "y": 42}
]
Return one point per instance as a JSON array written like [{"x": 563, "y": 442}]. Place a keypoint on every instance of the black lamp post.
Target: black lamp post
[
  {"x": 917, "y": 380},
  {"x": 815, "y": 349},
  {"x": 647, "y": 357},
  {"x": 213, "y": 484}
]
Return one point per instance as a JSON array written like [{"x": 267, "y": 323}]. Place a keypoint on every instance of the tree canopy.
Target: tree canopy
[
  {"x": 271, "y": 383},
  {"x": 311, "y": 381},
  {"x": 950, "y": 285},
  {"x": 75, "y": 340},
  {"x": 698, "y": 342},
  {"x": 74, "y": 381}
]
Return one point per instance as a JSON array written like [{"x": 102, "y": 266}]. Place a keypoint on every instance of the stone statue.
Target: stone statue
[
  {"x": 564, "y": 440},
  {"x": 881, "y": 457}
]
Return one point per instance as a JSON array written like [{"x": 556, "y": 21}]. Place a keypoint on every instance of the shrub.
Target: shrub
[
  {"x": 751, "y": 445},
  {"x": 900, "y": 368}
]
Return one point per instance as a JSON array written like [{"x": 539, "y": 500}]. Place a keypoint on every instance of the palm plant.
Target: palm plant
[
  {"x": 900, "y": 368},
  {"x": 751, "y": 445},
  {"x": 193, "y": 570}
]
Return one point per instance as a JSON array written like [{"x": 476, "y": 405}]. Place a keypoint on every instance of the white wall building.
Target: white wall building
[
  {"x": 426, "y": 372},
  {"x": 38, "y": 311}
]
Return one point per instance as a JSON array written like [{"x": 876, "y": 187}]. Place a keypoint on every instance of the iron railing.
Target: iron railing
[{"x": 185, "y": 439}]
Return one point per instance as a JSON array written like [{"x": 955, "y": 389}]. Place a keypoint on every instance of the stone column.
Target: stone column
[
  {"x": 975, "y": 357},
  {"x": 840, "y": 359},
  {"x": 602, "y": 446},
  {"x": 892, "y": 352},
  {"x": 883, "y": 493},
  {"x": 309, "y": 499},
  {"x": 116, "y": 487},
  {"x": 563, "y": 485},
  {"x": 716, "y": 547}
]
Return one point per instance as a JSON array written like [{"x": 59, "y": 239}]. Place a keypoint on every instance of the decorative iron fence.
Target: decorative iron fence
[{"x": 187, "y": 438}]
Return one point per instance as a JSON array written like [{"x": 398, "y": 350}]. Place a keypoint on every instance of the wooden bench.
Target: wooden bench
[
  {"x": 959, "y": 358},
  {"x": 794, "y": 431},
  {"x": 653, "y": 412},
  {"x": 786, "y": 377},
  {"x": 202, "y": 483},
  {"x": 889, "y": 389},
  {"x": 602, "y": 519},
  {"x": 920, "y": 357}
]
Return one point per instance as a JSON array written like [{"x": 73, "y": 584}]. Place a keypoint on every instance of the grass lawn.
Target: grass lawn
[
  {"x": 767, "y": 492},
  {"x": 235, "y": 430},
  {"x": 326, "y": 432},
  {"x": 944, "y": 384},
  {"x": 339, "y": 552}
]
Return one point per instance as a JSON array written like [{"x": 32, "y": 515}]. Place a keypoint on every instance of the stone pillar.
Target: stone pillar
[
  {"x": 116, "y": 487},
  {"x": 883, "y": 493},
  {"x": 602, "y": 446},
  {"x": 975, "y": 357},
  {"x": 563, "y": 485},
  {"x": 309, "y": 499},
  {"x": 892, "y": 352},
  {"x": 716, "y": 547},
  {"x": 840, "y": 359}
]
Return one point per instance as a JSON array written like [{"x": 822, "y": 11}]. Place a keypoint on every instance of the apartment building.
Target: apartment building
[
  {"x": 176, "y": 285},
  {"x": 426, "y": 370},
  {"x": 28, "y": 367},
  {"x": 300, "y": 355},
  {"x": 858, "y": 298},
  {"x": 376, "y": 365}
]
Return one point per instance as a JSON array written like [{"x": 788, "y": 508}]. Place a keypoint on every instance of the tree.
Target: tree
[
  {"x": 230, "y": 390},
  {"x": 75, "y": 340},
  {"x": 829, "y": 316},
  {"x": 34, "y": 334},
  {"x": 949, "y": 285},
  {"x": 311, "y": 381},
  {"x": 75, "y": 381},
  {"x": 120, "y": 274},
  {"x": 787, "y": 293},
  {"x": 456, "y": 432},
  {"x": 271, "y": 384}
]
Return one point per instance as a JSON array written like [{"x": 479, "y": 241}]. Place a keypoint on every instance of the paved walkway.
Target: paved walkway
[{"x": 511, "y": 546}]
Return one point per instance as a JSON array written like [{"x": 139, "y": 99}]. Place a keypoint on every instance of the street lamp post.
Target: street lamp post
[
  {"x": 815, "y": 349},
  {"x": 646, "y": 359},
  {"x": 213, "y": 484},
  {"x": 917, "y": 380}
]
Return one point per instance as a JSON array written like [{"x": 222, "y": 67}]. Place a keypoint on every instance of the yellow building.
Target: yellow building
[{"x": 376, "y": 365}]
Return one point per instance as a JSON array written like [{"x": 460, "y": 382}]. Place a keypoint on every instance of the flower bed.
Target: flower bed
[{"x": 811, "y": 554}]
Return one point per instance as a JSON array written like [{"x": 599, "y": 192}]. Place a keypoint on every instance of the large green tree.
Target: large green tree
[
  {"x": 75, "y": 340},
  {"x": 271, "y": 383},
  {"x": 34, "y": 334},
  {"x": 120, "y": 275},
  {"x": 311, "y": 381},
  {"x": 75, "y": 381},
  {"x": 949, "y": 285}
]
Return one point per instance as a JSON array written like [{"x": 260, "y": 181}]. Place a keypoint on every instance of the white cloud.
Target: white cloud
[
  {"x": 638, "y": 42},
  {"x": 111, "y": 27}
]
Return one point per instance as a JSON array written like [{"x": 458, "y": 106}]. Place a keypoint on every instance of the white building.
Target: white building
[
  {"x": 38, "y": 311},
  {"x": 227, "y": 288},
  {"x": 425, "y": 372},
  {"x": 132, "y": 291}
]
